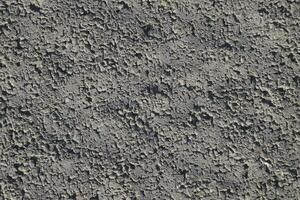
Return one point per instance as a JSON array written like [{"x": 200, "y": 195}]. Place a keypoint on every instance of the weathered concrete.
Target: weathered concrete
[{"x": 144, "y": 99}]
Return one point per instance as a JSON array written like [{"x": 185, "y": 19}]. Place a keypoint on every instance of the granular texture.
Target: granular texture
[{"x": 149, "y": 99}]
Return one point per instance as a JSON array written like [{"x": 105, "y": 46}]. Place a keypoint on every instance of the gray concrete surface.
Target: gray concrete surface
[{"x": 144, "y": 99}]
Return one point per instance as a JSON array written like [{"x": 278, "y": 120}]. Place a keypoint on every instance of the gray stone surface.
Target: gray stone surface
[{"x": 144, "y": 99}]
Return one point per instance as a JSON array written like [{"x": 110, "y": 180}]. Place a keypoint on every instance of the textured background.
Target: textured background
[{"x": 144, "y": 99}]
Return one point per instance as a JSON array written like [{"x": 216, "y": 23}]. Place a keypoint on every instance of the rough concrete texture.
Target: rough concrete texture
[{"x": 144, "y": 99}]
